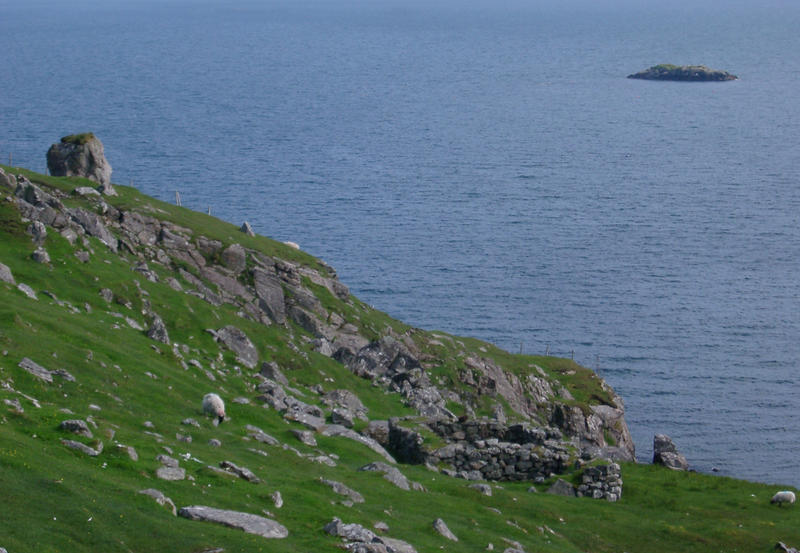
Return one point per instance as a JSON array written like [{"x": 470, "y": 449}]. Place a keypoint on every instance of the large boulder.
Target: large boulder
[
  {"x": 79, "y": 155},
  {"x": 665, "y": 453}
]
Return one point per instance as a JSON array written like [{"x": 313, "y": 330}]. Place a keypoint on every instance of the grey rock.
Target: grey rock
[
  {"x": 27, "y": 290},
  {"x": 271, "y": 370},
  {"x": 79, "y": 156},
  {"x": 15, "y": 405},
  {"x": 260, "y": 436},
  {"x": 82, "y": 256},
  {"x": 93, "y": 225},
  {"x": 161, "y": 499},
  {"x": 38, "y": 232},
  {"x": 271, "y": 298},
  {"x": 440, "y": 526},
  {"x": 306, "y": 437},
  {"x": 106, "y": 294},
  {"x": 277, "y": 499},
  {"x": 40, "y": 255},
  {"x": 5, "y": 274},
  {"x": 36, "y": 370},
  {"x": 341, "y": 489},
  {"x": 307, "y": 420},
  {"x": 350, "y": 532},
  {"x": 665, "y": 453},
  {"x": 485, "y": 489},
  {"x": 167, "y": 461},
  {"x": 83, "y": 448},
  {"x": 378, "y": 431},
  {"x": 130, "y": 451},
  {"x": 247, "y": 229},
  {"x": 338, "y": 430},
  {"x": 234, "y": 258},
  {"x": 213, "y": 442},
  {"x": 343, "y": 417},
  {"x": 345, "y": 399},
  {"x": 86, "y": 191},
  {"x": 562, "y": 487},
  {"x": 76, "y": 426},
  {"x": 7, "y": 180},
  {"x": 390, "y": 473},
  {"x": 190, "y": 422},
  {"x": 242, "y": 472},
  {"x": 252, "y": 524},
  {"x": 238, "y": 342},
  {"x": 158, "y": 330},
  {"x": 171, "y": 473},
  {"x": 397, "y": 546}
]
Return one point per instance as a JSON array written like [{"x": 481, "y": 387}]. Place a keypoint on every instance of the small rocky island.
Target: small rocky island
[{"x": 693, "y": 73}]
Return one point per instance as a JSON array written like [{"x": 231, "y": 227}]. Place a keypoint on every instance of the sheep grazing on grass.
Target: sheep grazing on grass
[
  {"x": 782, "y": 497},
  {"x": 214, "y": 406}
]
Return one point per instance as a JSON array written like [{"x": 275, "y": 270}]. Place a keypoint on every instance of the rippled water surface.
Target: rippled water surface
[{"x": 480, "y": 168}]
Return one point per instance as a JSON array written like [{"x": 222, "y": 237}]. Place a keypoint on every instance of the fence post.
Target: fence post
[
  {"x": 177, "y": 198},
  {"x": 572, "y": 353}
]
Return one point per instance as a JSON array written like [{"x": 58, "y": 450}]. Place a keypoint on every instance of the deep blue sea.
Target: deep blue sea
[{"x": 480, "y": 167}]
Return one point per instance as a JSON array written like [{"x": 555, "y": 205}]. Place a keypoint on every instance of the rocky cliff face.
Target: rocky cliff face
[
  {"x": 80, "y": 155},
  {"x": 536, "y": 429}
]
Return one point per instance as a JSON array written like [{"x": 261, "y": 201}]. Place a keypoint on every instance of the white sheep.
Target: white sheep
[
  {"x": 784, "y": 496},
  {"x": 214, "y": 406}
]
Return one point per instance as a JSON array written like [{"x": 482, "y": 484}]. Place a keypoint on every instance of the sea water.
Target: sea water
[{"x": 483, "y": 168}]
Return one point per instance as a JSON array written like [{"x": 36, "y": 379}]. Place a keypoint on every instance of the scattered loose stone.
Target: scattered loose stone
[
  {"x": 5, "y": 274},
  {"x": 40, "y": 255},
  {"x": 161, "y": 499},
  {"x": 15, "y": 405},
  {"x": 389, "y": 473},
  {"x": 27, "y": 290},
  {"x": 440, "y": 526},
  {"x": 130, "y": 451},
  {"x": 252, "y": 524},
  {"x": 271, "y": 370},
  {"x": 190, "y": 422},
  {"x": 158, "y": 330},
  {"x": 82, "y": 256},
  {"x": 238, "y": 342},
  {"x": 76, "y": 426},
  {"x": 341, "y": 489},
  {"x": 83, "y": 448},
  {"x": 277, "y": 499},
  {"x": 306, "y": 437},
  {"x": 242, "y": 472},
  {"x": 186, "y": 438},
  {"x": 167, "y": 461},
  {"x": 485, "y": 489},
  {"x": 213, "y": 442},
  {"x": 241, "y": 400},
  {"x": 170, "y": 473},
  {"x": 382, "y": 526},
  {"x": 62, "y": 373},
  {"x": 247, "y": 229},
  {"x": 38, "y": 232},
  {"x": 338, "y": 430},
  {"x": 260, "y": 436},
  {"x": 36, "y": 370}
]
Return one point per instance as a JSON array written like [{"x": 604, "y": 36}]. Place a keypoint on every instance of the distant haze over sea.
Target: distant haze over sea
[{"x": 482, "y": 168}]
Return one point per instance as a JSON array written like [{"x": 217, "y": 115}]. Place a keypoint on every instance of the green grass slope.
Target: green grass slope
[{"x": 57, "y": 499}]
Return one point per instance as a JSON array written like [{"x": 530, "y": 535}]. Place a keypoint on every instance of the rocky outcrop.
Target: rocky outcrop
[
  {"x": 695, "y": 73},
  {"x": 79, "y": 155},
  {"x": 666, "y": 453}
]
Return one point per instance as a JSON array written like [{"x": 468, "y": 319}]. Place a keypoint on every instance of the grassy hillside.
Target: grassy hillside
[{"x": 137, "y": 392}]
